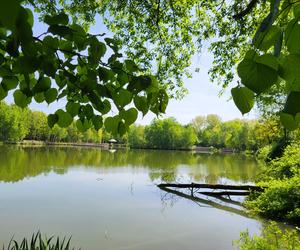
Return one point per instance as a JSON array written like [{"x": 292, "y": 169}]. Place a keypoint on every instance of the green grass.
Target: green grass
[{"x": 38, "y": 242}]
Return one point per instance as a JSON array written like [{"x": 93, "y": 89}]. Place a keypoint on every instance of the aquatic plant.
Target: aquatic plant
[{"x": 38, "y": 242}]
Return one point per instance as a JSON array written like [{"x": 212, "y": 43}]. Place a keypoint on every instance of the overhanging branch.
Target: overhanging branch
[{"x": 246, "y": 11}]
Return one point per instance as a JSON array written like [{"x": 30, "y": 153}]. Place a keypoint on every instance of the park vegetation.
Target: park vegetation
[
  {"x": 95, "y": 74},
  {"x": 17, "y": 124}
]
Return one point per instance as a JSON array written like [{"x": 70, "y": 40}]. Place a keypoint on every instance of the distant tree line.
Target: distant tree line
[
  {"x": 207, "y": 131},
  {"x": 17, "y": 124}
]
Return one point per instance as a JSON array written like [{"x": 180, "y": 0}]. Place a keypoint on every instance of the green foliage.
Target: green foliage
[
  {"x": 236, "y": 134},
  {"x": 14, "y": 122},
  {"x": 78, "y": 62},
  {"x": 286, "y": 166},
  {"x": 67, "y": 62},
  {"x": 38, "y": 242},
  {"x": 169, "y": 134},
  {"x": 275, "y": 60},
  {"x": 17, "y": 124},
  {"x": 281, "y": 200},
  {"x": 136, "y": 136},
  {"x": 272, "y": 238}
]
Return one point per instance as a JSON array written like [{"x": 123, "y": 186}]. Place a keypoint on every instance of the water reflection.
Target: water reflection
[
  {"x": 109, "y": 200},
  {"x": 18, "y": 163}
]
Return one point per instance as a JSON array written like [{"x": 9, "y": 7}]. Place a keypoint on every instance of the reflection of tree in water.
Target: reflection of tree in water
[{"x": 17, "y": 163}]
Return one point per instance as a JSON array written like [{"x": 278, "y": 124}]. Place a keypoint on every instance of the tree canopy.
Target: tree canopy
[{"x": 146, "y": 60}]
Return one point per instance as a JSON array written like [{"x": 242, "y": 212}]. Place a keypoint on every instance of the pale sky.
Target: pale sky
[{"x": 202, "y": 99}]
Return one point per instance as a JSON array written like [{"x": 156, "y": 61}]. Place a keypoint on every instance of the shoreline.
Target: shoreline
[{"x": 107, "y": 146}]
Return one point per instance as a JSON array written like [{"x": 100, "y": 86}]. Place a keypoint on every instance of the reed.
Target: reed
[{"x": 37, "y": 242}]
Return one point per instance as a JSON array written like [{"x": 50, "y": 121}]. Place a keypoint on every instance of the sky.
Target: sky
[{"x": 203, "y": 97}]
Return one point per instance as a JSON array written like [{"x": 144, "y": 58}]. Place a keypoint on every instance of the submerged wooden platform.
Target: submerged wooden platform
[
  {"x": 213, "y": 195},
  {"x": 239, "y": 190}
]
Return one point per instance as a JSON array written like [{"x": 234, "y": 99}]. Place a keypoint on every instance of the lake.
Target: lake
[{"x": 109, "y": 200}]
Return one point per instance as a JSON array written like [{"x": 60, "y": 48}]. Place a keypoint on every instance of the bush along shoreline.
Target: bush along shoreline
[{"x": 281, "y": 199}]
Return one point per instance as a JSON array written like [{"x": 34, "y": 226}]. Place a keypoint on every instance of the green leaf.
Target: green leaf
[
  {"x": 43, "y": 84},
  {"x": 39, "y": 97},
  {"x": 60, "y": 30},
  {"x": 50, "y": 95},
  {"x": 26, "y": 64},
  {"x": 96, "y": 50},
  {"x": 112, "y": 43},
  {"x": 97, "y": 122},
  {"x": 60, "y": 80},
  {"x": 3, "y": 93},
  {"x": 296, "y": 10},
  {"x": 30, "y": 18},
  {"x": 88, "y": 111},
  {"x": 5, "y": 71},
  {"x": 243, "y": 98},
  {"x": 122, "y": 97},
  {"x": 289, "y": 71},
  {"x": 106, "y": 75},
  {"x": 131, "y": 66},
  {"x": 129, "y": 116},
  {"x": 122, "y": 128},
  {"x": 292, "y": 105},
  {"x": 79, "y": 36},
  {"x": 268, "y": 38},
  {"x": 9, "y": 82},
  {"x": 106, "y": 107},
  {"x": 111, "y": 124},
  {"x": 292, "y": 36},
  {"x": 9, "y": 12},
  {"x": 51, "y": 42},
  {"x": 289, "y": 122},
  {"x": 72, "y": 108},
  {"x": 268, "y": 60},
  {"x": 20, "y": 99},
  {"x": 49, "y": 67},
  {"x": 141, "y": 104},
  {"x": 163, "y": 100},
  {"x": 23, "y": 28},
  {"x": 137, "y": 84},
  {"x": 64, "y": 118},
  {"x": 52, "y": 120},
  {"x": 61, "y": 18},
  {"x": 122, "y": 78},
  {"x": 258, "y": 73},
  {"x": 83, "y": 125}
]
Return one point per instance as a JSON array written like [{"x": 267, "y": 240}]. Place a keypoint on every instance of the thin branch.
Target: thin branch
[{"x": 246, "y": 11}]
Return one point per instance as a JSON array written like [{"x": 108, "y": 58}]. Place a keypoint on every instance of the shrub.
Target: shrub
[{"x": 281, "y": 200}]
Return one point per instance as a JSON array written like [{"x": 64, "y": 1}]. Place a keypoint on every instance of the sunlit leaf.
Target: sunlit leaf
[{"x": 243, "y": 98}]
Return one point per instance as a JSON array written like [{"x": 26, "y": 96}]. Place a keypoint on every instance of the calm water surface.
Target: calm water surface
[{"x": 109, "y": 200}]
